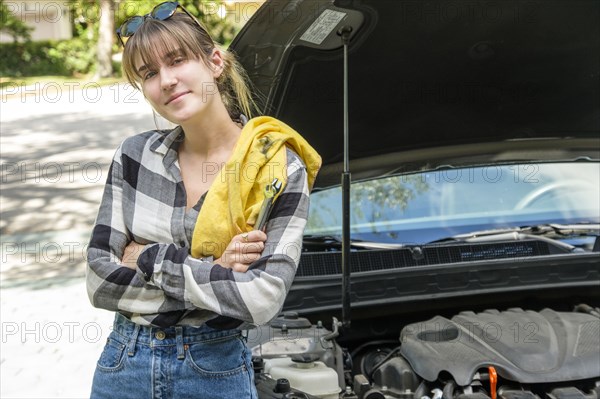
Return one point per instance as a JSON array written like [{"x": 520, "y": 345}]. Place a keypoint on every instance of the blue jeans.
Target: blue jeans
[{"x": 177, "y": 362}]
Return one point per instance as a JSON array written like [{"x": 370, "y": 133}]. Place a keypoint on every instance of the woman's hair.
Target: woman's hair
[{"x": 154, "y": 38}]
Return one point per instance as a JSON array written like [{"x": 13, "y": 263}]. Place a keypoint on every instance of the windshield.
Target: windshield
[{"x": 422, "y": 207}]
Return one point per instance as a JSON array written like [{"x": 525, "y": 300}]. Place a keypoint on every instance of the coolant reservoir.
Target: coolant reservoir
[{"x": 312, "y": 377}]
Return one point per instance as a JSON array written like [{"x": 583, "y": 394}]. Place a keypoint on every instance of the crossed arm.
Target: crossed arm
[
  {"x": 242, "y": 250},
  {"x": 248, "y": 283}
]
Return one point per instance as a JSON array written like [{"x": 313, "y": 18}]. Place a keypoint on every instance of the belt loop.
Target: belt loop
[
  {"x": 179, "y": 338},
  {"x": 133, "y": 340}
]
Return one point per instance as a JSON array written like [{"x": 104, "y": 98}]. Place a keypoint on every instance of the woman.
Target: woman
[{"x": 176, "y": 250}]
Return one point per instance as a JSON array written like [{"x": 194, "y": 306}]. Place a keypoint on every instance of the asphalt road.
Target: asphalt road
[{"x": 56, "y": 143}]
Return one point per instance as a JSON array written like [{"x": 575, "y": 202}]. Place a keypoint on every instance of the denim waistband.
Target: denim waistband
[{"x": 170, "y": 335}]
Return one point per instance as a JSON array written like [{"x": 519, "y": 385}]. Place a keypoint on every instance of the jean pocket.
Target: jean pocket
[
  {"x": 218, "y": 358},
  {"x": 111, "y": 358}
]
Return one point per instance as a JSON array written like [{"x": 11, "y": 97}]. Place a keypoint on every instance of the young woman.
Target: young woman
[{"x": 176, "y": 250}]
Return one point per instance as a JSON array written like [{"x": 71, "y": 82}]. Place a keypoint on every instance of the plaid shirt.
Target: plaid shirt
[{"x": 144, "y": 200}]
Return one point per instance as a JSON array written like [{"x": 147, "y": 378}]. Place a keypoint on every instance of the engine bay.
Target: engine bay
[{"x": 508, "y": 354}]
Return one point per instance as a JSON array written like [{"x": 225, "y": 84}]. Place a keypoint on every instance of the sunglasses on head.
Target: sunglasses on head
[{"x": 161, "y": 12}]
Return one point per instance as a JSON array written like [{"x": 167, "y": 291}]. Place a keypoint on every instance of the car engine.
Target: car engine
[{"x": 510, "y": 354}]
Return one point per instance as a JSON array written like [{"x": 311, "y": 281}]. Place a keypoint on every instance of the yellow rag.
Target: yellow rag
[{"x": 234, "y": 199}]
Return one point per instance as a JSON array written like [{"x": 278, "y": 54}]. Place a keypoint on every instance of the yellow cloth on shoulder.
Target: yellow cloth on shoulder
[{"x": 234, "y": 199}]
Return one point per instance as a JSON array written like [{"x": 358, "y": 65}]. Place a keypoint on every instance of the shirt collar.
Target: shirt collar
[
  {"x": 167, "y": 140},
  {"x": 170, "y": 140}
]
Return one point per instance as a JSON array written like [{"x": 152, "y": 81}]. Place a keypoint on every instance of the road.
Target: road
[{"x": 56, "y": 143}]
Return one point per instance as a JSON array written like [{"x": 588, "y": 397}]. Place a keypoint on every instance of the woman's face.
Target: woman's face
[{"x": 180, "y": 89}]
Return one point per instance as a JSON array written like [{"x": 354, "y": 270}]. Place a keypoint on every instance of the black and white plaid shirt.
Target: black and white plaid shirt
[{"x": 144, "y": 200}]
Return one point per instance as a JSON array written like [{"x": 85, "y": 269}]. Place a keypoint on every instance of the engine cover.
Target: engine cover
[{"x": 523, "y": 346}]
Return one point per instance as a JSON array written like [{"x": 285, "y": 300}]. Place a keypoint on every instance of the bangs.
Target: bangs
[{"x": 156, "y": 40}]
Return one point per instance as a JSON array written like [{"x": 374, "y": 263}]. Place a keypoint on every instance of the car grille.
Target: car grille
[{"x": 327, "y": 263}]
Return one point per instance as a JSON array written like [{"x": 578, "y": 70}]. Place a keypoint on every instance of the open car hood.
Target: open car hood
[{"x": 430, "y": 83}]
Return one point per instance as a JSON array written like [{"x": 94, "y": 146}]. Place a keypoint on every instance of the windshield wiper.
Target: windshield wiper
[
  {"x": 331, "y": 241},
  {"x": 551, "y": 230},
  {"x": 545, "y": 232}
]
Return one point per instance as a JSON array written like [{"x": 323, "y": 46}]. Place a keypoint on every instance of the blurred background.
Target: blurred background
[
  {"x": 64, "y": 109},
  {"x": 77, "y": 38}
]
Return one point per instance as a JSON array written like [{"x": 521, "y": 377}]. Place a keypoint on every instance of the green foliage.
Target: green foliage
[
  {"x": 12, "y": 25},
  {"x": 50, "y": 57},
  {"x": 78, "y": 55},
  {"x": 28, "y": 59},
  {"x": 85, "y": 15}
]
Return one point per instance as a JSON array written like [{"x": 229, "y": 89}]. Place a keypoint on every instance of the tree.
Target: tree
[
  {"x": 222, "y": 30},
  {"x": 105, "y": 39},
  {"x": 12, "y": 25}
]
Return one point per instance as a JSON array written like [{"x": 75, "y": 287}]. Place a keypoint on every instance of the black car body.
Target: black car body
[{"x": 474, "y": 147}]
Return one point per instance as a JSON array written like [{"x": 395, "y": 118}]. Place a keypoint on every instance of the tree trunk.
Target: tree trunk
[{"x": 105, "y": 39}]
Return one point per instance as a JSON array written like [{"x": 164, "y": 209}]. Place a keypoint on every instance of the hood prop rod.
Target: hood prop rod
[{"x": 345, "y": 32}]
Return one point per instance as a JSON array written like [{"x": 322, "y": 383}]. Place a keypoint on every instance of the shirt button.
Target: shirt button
[{"x": 160, "y": 335}]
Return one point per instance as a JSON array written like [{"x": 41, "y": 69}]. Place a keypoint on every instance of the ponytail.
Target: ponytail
[{"x": 235, "y": 89}]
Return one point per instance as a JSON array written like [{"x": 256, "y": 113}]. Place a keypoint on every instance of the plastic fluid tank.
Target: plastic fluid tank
[{"x": 313, "y": 378}]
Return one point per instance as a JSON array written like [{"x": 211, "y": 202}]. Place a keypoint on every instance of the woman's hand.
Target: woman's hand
[
  {"x": 131, "y": 253},
  {"x": 243, "y": 250}
]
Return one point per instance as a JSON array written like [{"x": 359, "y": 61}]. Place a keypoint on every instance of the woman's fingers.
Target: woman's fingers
[
  {"x": 252, "y": 247},
  {"x": 243, "y": 249},
  {"x": 241, "y": 254},
  {"x": 240, "y": 267},
  {"x": 131, "y": 253},
  {"x": 252, "y": 236},
  {"x": 245, "y": 258}
]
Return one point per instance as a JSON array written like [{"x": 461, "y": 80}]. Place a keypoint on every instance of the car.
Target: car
[{"x": 452, "y": 248}]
